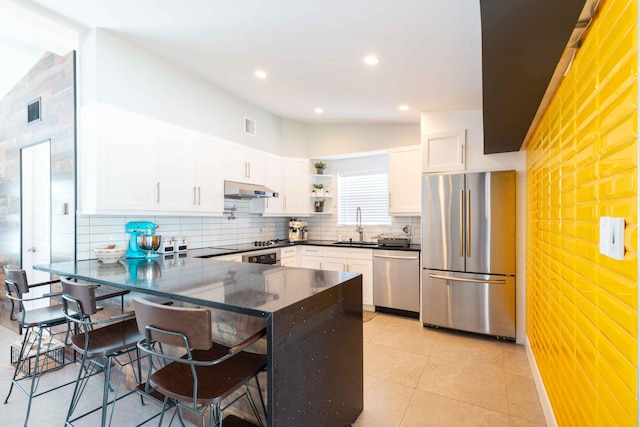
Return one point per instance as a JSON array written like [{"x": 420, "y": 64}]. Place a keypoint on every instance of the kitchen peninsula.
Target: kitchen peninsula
[{"x": 313, "y": 320}]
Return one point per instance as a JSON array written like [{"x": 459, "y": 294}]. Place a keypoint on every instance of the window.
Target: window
[{"x": 367, "y": 190}]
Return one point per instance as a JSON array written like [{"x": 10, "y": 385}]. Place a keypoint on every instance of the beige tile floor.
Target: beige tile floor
[
  {"x": 413, "y": 376},
  {"x": 416, "y": 376}
]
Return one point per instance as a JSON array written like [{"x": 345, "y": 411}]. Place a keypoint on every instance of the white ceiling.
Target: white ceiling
[{"x": 312, "y": 50}]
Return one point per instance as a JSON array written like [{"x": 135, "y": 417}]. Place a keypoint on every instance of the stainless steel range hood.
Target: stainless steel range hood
[{"x": 241, "y": 190}]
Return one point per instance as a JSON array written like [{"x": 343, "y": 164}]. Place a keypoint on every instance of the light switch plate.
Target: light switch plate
[
  {"x": 612, "y": 237},
  {"x": 616, "y": 236}
]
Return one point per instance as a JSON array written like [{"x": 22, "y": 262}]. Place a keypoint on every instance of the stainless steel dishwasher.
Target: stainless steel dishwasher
[{"x": 396, "y": 282}]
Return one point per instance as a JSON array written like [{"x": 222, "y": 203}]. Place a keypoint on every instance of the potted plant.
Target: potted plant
[
  {"x": 320, "y": 167},
  {"x": 318, "y": 189},
  {"x": 319, "y": 205}
]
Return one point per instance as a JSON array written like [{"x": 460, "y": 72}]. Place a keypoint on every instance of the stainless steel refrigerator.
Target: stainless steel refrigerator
[{"x": 468, "y": 252}]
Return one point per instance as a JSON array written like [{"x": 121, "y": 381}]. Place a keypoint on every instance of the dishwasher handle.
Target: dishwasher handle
[
  {"x": 458, "y": 279},
  {"x": 395, "y": 257}
]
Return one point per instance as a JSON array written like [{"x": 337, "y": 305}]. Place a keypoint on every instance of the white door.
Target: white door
[{"x": 36, "y": 215}]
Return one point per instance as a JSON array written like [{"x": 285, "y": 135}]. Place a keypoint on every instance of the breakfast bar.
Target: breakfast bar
[{"x": 313, "y": 320}]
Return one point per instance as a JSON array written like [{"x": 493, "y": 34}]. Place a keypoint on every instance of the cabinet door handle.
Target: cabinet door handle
[
  {"x": 199, "y": 196},
  {"x": 285, "y": 202},
  {"x": 390, "y": 204},
  {"x": 194, "y": 196},
  {"x": 266, "y": 203},
  {"x": 245, "y": 170},
  {"x": 249, "y": 164},
  {"x": 158, "y": 192}
]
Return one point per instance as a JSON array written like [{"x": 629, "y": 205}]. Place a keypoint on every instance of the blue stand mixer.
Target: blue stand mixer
[{"x": 143, "y": 241}]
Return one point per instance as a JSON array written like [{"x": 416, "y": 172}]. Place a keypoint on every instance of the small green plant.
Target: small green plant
[
  {"x": 318, "y": 186},
  {"x": 320, "y": 165}
]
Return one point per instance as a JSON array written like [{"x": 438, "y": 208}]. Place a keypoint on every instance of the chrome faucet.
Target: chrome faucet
[{"x": 359, "y": 228}]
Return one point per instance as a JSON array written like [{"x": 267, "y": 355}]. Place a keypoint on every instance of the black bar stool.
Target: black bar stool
[
  {"x": 208, "y": 373},
  {"x": 102, "y": 343},
  {"x": 35, "y": 323}
]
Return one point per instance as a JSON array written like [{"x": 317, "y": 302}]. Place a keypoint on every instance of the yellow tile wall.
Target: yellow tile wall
[{"x": 582, "y": 163}]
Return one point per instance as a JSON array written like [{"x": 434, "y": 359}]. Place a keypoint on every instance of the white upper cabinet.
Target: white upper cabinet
[
  {"x": 175, "y": 158},
  {"x": 444, "y": 151},
  {"x": 295, "y": 186},
  {"x": 273, "y": 181},
  {"x": 130, "y": 164},
  {"x": 405, "y": 172},
  {"x": 288, "y": 177},
  {"x": 189, "y": 173},
  {"x": 116, "y": 160},
  {"x": 208, "y": 189},
  {"x": 243, "y": 164}
]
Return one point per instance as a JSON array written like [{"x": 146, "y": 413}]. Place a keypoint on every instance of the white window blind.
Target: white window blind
[{"x": 367, "y": 190}]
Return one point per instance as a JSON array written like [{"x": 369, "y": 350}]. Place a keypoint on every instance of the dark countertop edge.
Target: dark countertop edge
[
  {"x": 177, "y": 297},
  {"x": 207, "y": 252},
  {"x": 331, "y": 243},
  {"x": 55, "y": 268}
]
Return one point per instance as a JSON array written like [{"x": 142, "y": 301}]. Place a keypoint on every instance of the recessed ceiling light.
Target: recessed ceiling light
[
  {"x": 403, "y": 107},
  {"x": 318, "y": 110},
  {"x": 261, "y": 74},
  {"x": 371, "y": 60}
]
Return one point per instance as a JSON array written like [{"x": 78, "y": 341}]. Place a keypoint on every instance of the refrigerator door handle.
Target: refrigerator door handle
[
  {"x": 461, "y": 224},
  {"x": 457, "y": 279},
  {"x": 468, "y": 223}
]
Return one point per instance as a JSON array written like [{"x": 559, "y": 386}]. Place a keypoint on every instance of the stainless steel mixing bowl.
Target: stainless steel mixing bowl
[
  {"x": 149, "y": 243},
  {"x": 148, "y": 271}
]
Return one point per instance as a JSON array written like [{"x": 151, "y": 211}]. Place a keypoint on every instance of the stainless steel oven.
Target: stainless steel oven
[{"x": 266, "y": 256}]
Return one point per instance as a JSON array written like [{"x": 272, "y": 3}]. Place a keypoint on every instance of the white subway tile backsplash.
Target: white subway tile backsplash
[
  {"x": 94, "y": 231},
  {"x": 201, "y": 232},
  {"x": 106, "y": 220}
]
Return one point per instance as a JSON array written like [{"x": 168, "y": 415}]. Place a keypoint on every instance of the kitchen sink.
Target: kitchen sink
[{"x": 351, "y": 243}]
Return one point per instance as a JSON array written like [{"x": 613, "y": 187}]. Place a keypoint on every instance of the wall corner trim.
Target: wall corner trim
[{"x": 549, "y": 416}]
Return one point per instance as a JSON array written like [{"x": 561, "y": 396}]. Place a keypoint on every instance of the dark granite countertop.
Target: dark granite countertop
[
  {"x": 355, "y": 244},
  {"x": 255, "y": 289},
  {"x": 212, "y": 252}
]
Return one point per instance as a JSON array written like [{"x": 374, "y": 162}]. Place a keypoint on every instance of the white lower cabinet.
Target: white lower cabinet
[
  {"x": 311, "y": 257},
  {"x": 289, "y": 256},
  {"x": 342, "y": 259}
]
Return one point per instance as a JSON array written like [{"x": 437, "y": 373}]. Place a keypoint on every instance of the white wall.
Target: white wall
[
  {"x": 120, "y": 74},
  {"x": 471, "y": 120},
  {"x": 326, "y": 140},
  {"x": 294, "y": 138}
]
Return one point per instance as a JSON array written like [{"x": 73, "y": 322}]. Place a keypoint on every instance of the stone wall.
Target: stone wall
[{"x": 52, "y": 79}]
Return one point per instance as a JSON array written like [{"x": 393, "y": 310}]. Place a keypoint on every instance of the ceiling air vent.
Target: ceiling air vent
[
  {"x": 249, "y": 126},
  {"x": 33, "y": 111}
]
